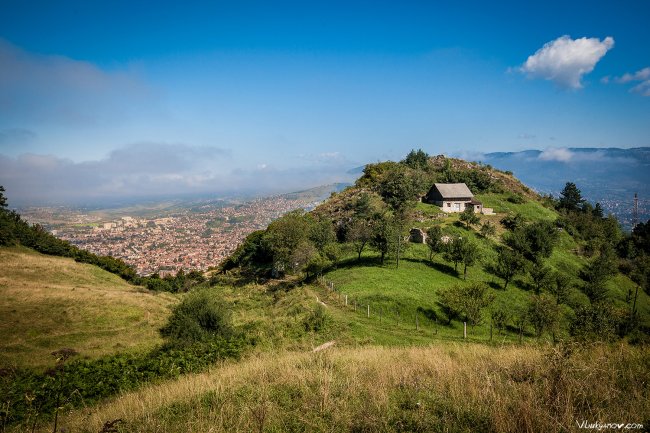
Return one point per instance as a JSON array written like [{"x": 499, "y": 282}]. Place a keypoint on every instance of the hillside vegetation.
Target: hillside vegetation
[
  {"x": 446, "y": 388},
  {"x": 47, "y": 303},
  {"x": 527, "y": 319}
]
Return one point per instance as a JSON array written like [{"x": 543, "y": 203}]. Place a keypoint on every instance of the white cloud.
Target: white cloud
[
  {"x": 642, "y": 75},
  {"x": 565, "y": 61},
  {"x": 57, "y": 89},
  {"x": 560, "y": 154},
  {"x": 149, "y": 170}
]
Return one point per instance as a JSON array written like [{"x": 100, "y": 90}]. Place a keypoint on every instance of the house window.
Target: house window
[{"x": 448, "y": 204}]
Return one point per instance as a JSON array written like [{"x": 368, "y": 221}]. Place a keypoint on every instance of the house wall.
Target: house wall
[{"x": 449, "y": 206}]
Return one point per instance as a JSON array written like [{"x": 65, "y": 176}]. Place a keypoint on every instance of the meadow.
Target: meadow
[
  {"x": 47, "y": 303},
  {"x": 448, "y": 387}
]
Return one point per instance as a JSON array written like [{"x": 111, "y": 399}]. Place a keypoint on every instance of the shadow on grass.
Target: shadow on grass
[{"x": 495, "y": 285}]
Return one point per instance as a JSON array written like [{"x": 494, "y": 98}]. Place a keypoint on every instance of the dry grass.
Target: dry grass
[
  {"x": 51, "y": 302},
  {"x": 450, "y": 388}
]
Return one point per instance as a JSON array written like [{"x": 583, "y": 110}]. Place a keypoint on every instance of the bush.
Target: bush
[
  {"x": 316, "y": 320},
  {"x": 200, "y": 317}
]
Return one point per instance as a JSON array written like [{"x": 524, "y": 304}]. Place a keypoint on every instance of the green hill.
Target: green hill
[
  {"x": 554, "y": 295},
  {"x": 47, "y": 303}
]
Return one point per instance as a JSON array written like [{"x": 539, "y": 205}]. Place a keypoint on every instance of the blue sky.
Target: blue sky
[{"x": 112, "y": 99}]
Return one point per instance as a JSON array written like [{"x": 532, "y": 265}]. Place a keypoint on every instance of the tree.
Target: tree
[
  {"x": 560, "y": 287},
  {"x": 533, "y": 241},
  {"x": 3, "y": 199},
  {"x": 301, "y": 255},
  {"x": 449, "y": 301},
  {"x": 500, "y": 317},
  {"x": 571, "y": 198},
  {"x": 597, "y": 273},
  {"x": 283, "y": 237},
  {"x": 417, "y": 159},
  {"x": 509, "y": 263},
  {"x": 384, "y": 236},
  {"x": 488, "y": 230},
  {"x": 321, "y": 233},
  {"x": 399, "y": 189},
  {"x": 513, "y": 222},
  {"x": 454, "y": 251},
  {"x": 469, "y": 300},
  {"x": 598, "y": 211},
  {"x": 543, "y": 314},
  {"x": 470, "y": 255},
  {"x": 540, "y": 275},
  {"x": 469, "y": 217},
  {"x": 434, "y": 241},
  {"x": 359, "y": 234}
]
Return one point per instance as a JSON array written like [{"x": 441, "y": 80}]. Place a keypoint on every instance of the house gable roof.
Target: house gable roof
[{"x": 453, "y": 190}]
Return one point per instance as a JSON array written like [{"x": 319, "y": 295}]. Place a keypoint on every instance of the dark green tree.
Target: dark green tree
[
  {"x": 571, "y": 198},
  {"x": 597, "y": 273},
  {"x": 541, "y": 277},
  {"x": 3, "y": 199},
  {"x": 560, "y": 287},
  {"x": 417, "y": 159},
  {"x": 399, "y": 189}
]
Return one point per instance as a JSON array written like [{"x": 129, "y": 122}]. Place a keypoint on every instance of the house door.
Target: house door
[{"x": 456, "y": 207}]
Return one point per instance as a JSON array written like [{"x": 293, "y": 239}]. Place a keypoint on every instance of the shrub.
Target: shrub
[
  {"x": 316, "y": 320},
  {"x": 199, "y": 317}
]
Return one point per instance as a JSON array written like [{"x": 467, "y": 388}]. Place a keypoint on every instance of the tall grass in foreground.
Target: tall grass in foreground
[{"x": 448, "y": 388}]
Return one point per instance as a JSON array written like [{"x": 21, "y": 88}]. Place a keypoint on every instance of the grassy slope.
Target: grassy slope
[
  {"x": 444, "y": 388},
  {"x": 47, "y": 303}
]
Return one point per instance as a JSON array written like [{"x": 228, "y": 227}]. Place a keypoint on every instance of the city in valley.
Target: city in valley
[{"x": 166, "y": 239}]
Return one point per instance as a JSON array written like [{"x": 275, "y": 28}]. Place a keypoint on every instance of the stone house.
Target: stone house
[{"x": 452, "y": 197}]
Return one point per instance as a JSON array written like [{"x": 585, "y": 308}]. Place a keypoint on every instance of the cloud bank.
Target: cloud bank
[
  {"x": 150, "y": 170},
  {"x": 565, "y": 61},
  {"x": 57, "y": 89}
]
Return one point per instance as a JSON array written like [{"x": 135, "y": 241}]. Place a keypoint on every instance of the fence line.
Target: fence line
[{"x": 351, "y": 303}]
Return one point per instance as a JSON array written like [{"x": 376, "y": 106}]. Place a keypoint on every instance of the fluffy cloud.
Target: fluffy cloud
[
  {"x": 564, "y": 60},
  {"x": 560, "y": 154},
  {"x": 642, "y": 75}
]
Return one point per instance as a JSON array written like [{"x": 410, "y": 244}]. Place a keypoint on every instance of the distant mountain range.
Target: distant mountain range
[{"x": 610, "y": 176}]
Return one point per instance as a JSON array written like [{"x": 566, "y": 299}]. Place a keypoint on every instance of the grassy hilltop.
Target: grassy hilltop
[{"x": 561, "y": 339}]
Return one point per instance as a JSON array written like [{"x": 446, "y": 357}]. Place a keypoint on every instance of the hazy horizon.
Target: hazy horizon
[{"x": 105, "y": 101}]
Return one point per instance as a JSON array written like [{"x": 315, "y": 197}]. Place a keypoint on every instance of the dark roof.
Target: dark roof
[{"x": 453, "y": 190}]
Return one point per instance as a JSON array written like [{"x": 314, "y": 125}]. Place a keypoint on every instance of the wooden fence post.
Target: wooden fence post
[
  {"x": 417, "y": 322},
  {"x": 464, "y": 329},
  {"x": 368, "y": 311},
  {"x": 346, "y": 300}
]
